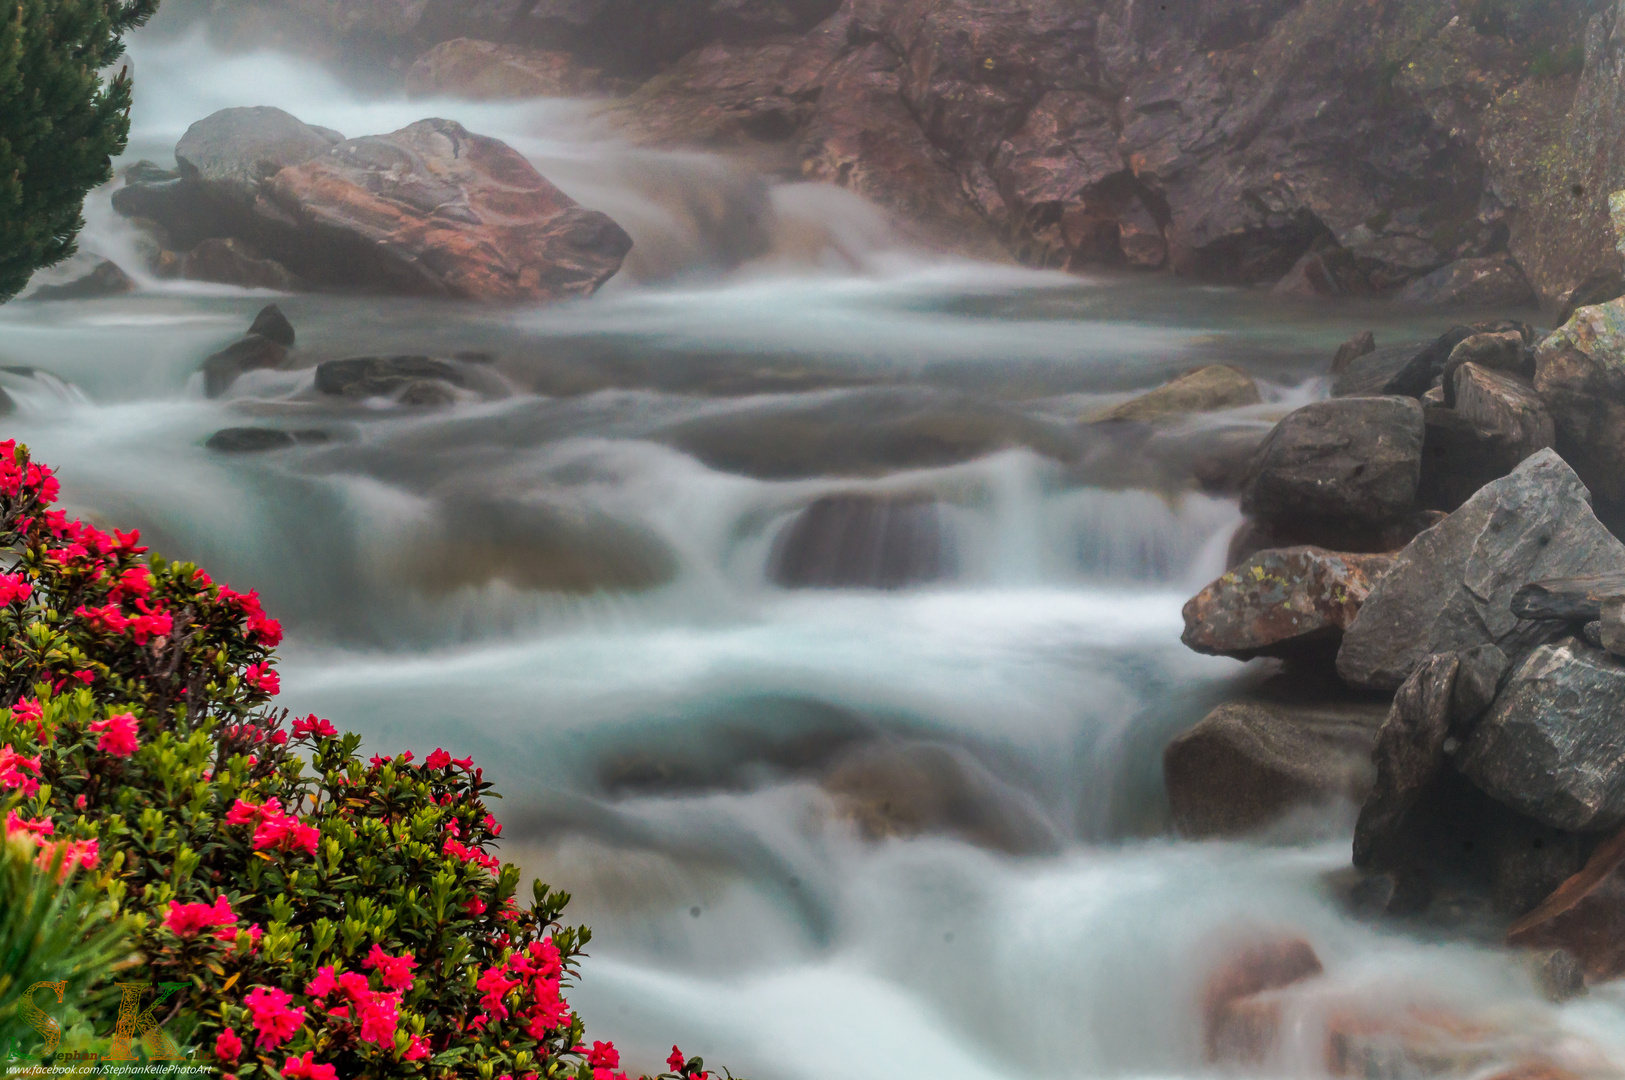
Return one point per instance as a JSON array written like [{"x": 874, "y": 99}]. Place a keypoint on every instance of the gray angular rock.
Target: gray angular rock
[
  {"x": 272, "y": 325},
  {"x": 1577, "y": 599},
  {"x": 249, "y": 353},
  {"x": 1452, "y": 588},
  {"x": 1354, "y": 460},
  {"x": 1550, "y": 747},
  {"x": 1362, "y": 344},
  {"x": 1504, "y": 406},
  {"x": 232, "y": 151},
  {"x": 1409, "y": 755},
  {"x": 1477, "y": 683},
  {"x": 1491, "y": 281}
]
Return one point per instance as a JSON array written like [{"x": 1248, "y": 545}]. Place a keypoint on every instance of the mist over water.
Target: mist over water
[{"x": 569, "y": 574}]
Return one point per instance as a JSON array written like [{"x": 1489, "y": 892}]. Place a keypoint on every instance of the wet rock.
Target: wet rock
[
  {"x": 893, "y": 789},
  {"x": 489, "y": 71},
  {"x": 147, "y": 172},
  {"x": 1292, "y": 603},
  {"x": 249, "y": 440},
  {"x": 1493, "y": 281},
  {"x": 432, "y": 209},
  {"x": 426, "y": 394},
  {"x": 436, "y": 209},
  {"x": 1409, "y": 756},
  {"x": 1611, "y": 626},
  {"x": 272, "y": 325},
  {"x": 1381, "y": 371},
  {"x": 1249, "y": 763},
  {"x": 376, "y": 376},
  {"x": 1504, "y": 351},
  {"x": 1479, "y": 680},
  {"x": 1207, "y": 389},
  {"x": 1452, "y": 588},
  {"x": 1354, "y": 460},
  {"x": 1458, "y": 459},
  {"x": 1362, "y": 344},
  {"x": 1559, "y": 974},
  {"x": 1323, "y": 274},
  {"x": 1585, "y": 916},
  {"x": 863, "y": 542},
  {"x": 236, "y": 262},
  {"x": 251, "y": 353},
  {"x": 1235, "y": 1028},
  {"x": 1580, "y": 374},
  {"x": 1506, "y": 408},
  {"x": 1257, "y": 536},
  {"x": 1599, "y": 287},
  {"x": 1568, "y": 599},
  {"x": 1549, "y": 747},
  {"x": 1428, "y": 365},
  {"x": 82, "y": 277}
]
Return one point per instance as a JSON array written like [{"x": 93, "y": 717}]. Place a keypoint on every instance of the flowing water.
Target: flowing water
[{"x": 904, "y": 833}]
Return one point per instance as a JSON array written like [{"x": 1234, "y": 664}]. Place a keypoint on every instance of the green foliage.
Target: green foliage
[
  {"x": 320, "y": 915},
  {"x": 56, "y": 932},
  {"x": 60, "y": 124}
]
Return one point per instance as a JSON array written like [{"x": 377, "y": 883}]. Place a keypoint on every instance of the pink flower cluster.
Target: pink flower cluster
[
  {"x": 315, "y": 727},
  {"x": 376, "y": 1013},
  {"x": 29, "y": 711},
  {"x": 259, "y": 624},
  {"x": 263, "y": 677},
  {"x": 537, "y": 974},
  {"x": 679, "y": 1065},
  {"x": 74, "y": 853},
  {"x": 118, "y": 735},
  {"x": 273, "y": 828},
  {"x": 273, "y": 1015},
  {"x": 15, "y": 481},
  {"x": 14, "y": 770},
  {"x": 13, "y": 588}
]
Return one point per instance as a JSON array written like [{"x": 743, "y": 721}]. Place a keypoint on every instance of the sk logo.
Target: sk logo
[{"x": 133, "y": 1024}]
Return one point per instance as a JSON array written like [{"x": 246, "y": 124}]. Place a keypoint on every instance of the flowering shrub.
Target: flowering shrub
[{"x": 304, "y": 913}]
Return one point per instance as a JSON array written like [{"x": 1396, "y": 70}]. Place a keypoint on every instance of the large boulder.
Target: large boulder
[
  {"x": 1348, "y": 460},
  {"x": 432, "y": 209},
  {"x": 1290, "y": 603},
  {"x": 1452, "y": 588},
  {"x": 1249, "y": 763},
  {"x": 1580, "y": 374},
  {"x": 1550, "y": 745}
]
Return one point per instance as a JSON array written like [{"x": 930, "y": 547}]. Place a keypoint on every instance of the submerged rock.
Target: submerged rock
[
  {"x": 377, "y": 376},
  {"x": 251, "y": 353},
  {"x": 1585, "y": 917},
  {"x": 1452, "y": 588},
  {"x": 1205, "y": 390},
  {"x": 1550, "y": 745},
  {"x": 1348, "y": 460},
  {"x": 863, "y": 542},
  {"x": 250, "y": 440},
  {"x": 82, "y": 277},
  {"x": 1237, "y": 1026},
  {"x": 1249, "y": 763},
  {"x": 1291, "y": 602}
]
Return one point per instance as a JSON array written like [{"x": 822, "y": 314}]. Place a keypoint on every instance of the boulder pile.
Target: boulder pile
[
  {"x": 1428, "y": 541},
  {"x": 261, "y": 199}
]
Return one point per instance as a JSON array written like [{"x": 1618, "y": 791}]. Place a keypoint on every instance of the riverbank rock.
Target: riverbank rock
[
  {"x": 236, "y": 262},
  {"x": 1208, "y": 389},
  {"x": 1580, "y": 374},
  {"x": 1585, "y": 917},
  {"x": 1348, "y": 460},
  {"x": 489, "y": 71},
  {"x": 1489, "y": 282},
  {"x": 1409, "y": 755},
  {"x": 863, "y": 542},
  {"x": 432, "y": 209},
  {"x": 82, "y": 277},
  {"x": 1550, "y": 745},
  {"x": 1505, "y": 407},
  {"x": 1572, "y": 600},
  {"x": 1291, "y": 603},
  {"x": 1362, "y": 344},
  {"x": 1452, "y": 588},
  {"x": 1249, "y": 763}
]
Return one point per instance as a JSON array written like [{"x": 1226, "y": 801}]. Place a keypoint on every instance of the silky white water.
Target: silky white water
[{"x": 666, "y": 750}]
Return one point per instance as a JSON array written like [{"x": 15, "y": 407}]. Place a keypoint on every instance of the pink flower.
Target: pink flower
[
  {"x": 314, "y": 725},
  {"x": 474, "y": 906},
  {"x": 80, "y": 801},
  {"x": 303, "y": 1068},
  {"x": 263, "y": 677},
  {"x": 227, "y": 1046},
  {"x": 274, "y": 1017},
  {"x": 676, "y": 1060},
  {"x": 354, "y": 984},
  {"x": 493, "y": 986},
  {"x": 437, "y": 760},
  {"x": 13, "y": 770},
  {"x": 254, "y": 934},
  {"x": 379, "y": 1017},
  {"x": 243, "y": 813},
  {"x": 14, "y": 587},
  {"x": 395, "y": 972},
  {"x": 417, "y": 1048},
  {"x": 188, "y": 920},
  {"x": 38, "y": 828},
  {"x": 323, "y": 984},
  {"x": 463, "y": 762},
  {"x": 604, "y": 1055},
  {"x": 29, "y": 711},
  {"x": 75, "y": 854},
  {"x": 286, "y": 833},
  {"x": 118, "y": 735}
]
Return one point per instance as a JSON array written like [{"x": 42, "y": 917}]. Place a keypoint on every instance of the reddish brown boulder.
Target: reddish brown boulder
[
  {"x": 1282, "y": 602},
  {"x": 1239, "y": 1027},
  {"x": 1585, "y": 916},
  {"x": 435, "y": 209}
]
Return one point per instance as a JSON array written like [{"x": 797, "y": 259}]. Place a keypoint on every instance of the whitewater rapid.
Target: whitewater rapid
[{"x": 666, "y": 752}]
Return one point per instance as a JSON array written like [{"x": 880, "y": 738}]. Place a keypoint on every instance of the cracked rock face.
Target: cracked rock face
[
  {"x": 1551, "y": 747},
  {"x": 1452, "y": 587}
]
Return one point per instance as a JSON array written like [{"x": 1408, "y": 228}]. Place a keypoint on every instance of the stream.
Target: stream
[{"x": 883, "y": 834}]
